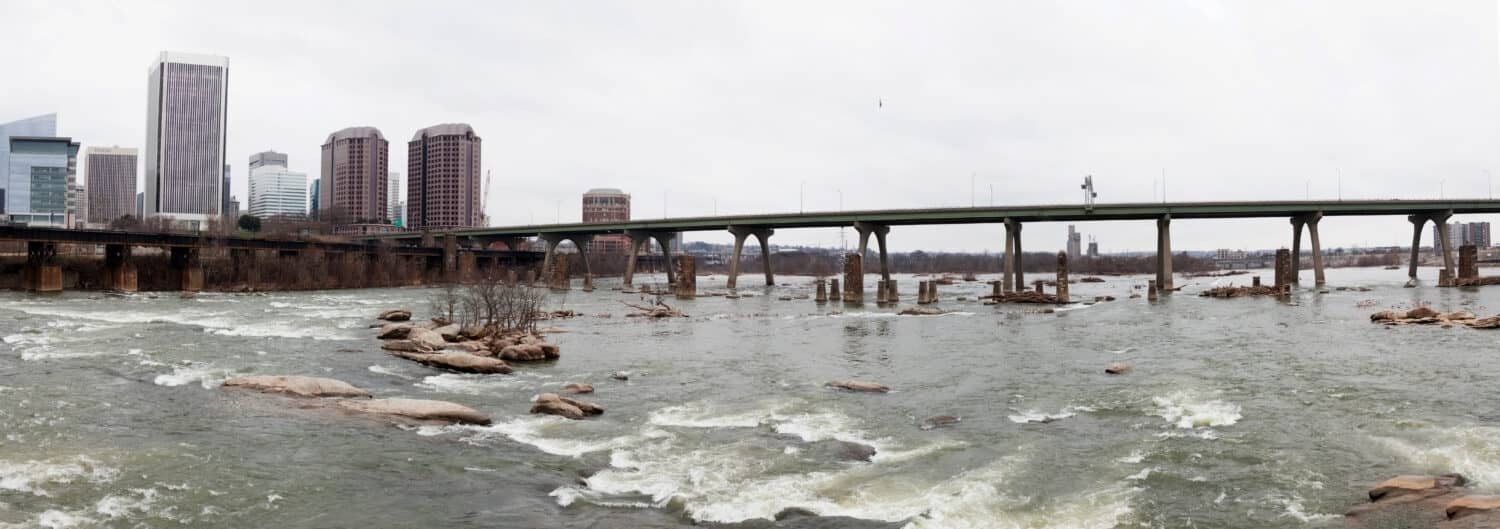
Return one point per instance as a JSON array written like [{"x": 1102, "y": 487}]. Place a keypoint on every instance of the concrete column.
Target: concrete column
[
  {"x": 1468, "y": 262},
  {"x": 1062, "y": 277},
  {"x": 428, "y": 240},
  {"x": 582, "y": 243},
  {"x": 834, "y": 292},
  {"x": 866, "y": 229},
  {"x": 1417, "y": 223},
  {"x": 892, "y": 294},
  {"x": 1151, "y": 290},
  {"x": 636, "y": 240},
  {"x": 665, "y": 240},
  {"x": 467, "y": 266},
  {"x": 1297, "y": 223},
  {"x": 881, "y": 294},
  {"x": 734, "y": 260},
  {"x": 1447, "y": 249},
  {"x": 1284, "y": 275},
  {"x": 764, "y": 237},
  {"x": 1317, "y": 248},
  {"x": 1008, "y": 259},
  {"x": 187, "y": 268},
  {"x": 885, "y": 263},
  {"x": 42, "y": 274},
  {"x": 854, "y": 279},
  {"x": 1164, "y": 253},
  {"x": 687, "y": 277},
  {"x": 1017, "y": 257},
  {"x": 558, "y": 277},
  {"x": 119, "y": 271},
  {"x": 822, "y": 295}
]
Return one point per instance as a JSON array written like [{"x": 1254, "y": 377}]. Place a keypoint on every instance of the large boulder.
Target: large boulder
[
  {"x": 1387, "y": 315},
  {"x": 418, "y": 409},
  {"x": 450, "y": 332},
  {"x": 577, "y": 388},
  {"x": 1117, "y": 368},
  {"x": 1419, "y": 501},
  {"x": 402, "y": 345},
  {"x": 553, "y": 404},
  {"x": 1468, "y": 505},
  {"x": 296, "y": 385},
  {"x": 395, "y": 315},
  {"x": 394, "y": 331},
  {"x": 461, "y": 362},
  {"x": 426, "y": 338},
  {"x": 1421, "y": 313},
  {"x": 529, "y": 352},
  {"x": 857, "y": 385}
]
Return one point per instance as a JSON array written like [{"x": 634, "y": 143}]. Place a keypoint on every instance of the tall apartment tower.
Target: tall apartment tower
[
  {"x": 186, "y": 115},
  {"x": 442, "y": 177},
  {"x": 353, "y": 180},
  {"x": 111, "y": 182},
  {"x": 604, "y": 205}
]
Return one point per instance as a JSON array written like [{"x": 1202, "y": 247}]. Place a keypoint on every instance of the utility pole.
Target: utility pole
[{"x": 801, "y": 194}]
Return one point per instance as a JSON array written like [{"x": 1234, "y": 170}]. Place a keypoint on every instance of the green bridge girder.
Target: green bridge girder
[{"x": 987, "y": 215}]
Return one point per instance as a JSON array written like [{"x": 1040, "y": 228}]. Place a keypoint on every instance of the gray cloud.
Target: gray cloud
[{"x": 743, "y": 104}]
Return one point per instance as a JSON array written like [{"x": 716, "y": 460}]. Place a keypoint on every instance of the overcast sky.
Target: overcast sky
[{"x": 767, "y": 106}]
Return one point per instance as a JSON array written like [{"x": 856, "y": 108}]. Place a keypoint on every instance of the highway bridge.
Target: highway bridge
[{"x": 1301, "y": 214}]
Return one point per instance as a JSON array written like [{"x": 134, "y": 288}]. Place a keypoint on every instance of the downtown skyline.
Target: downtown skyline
[{"x": 772, "y": 131}]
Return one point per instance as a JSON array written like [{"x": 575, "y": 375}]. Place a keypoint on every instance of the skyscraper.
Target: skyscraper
[
  {"x": 314, "y": 209},
  {"x": 43, "y": 180},
  {"x": 110, "y": 173},
  {"x": 442, "y": 177},
  {"x": 276, "y": 191},
  {"x": 267, "y": 158},
  {"x": 393, "y": 196},
  {"x": 39, "y": 126},
  {"x": 186, "y": 115},
  {"x": 1075, "y": 243},
  {"x": 354, "y": 177},
  {"x": 601, "y": 205}
]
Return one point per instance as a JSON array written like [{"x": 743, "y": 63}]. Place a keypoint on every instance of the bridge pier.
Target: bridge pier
[
  {"x": 119, "y": 273},
  {"x": 635, "y": 251},
  {"x": 467, "y": 266},
  {"x": 1015, "y": 275},
  {"x": 1444, "y": 246},
  {"x": 42, "y": 273},
  {"x": 762, "y": 236},
  {"x": 665, "y": 241},
  {"x": 854, "y": 279},
  {"x": 1164, "y": 253},
  {"x": 187, "y": 269},
  {"x": 865, "y": 229},
  {"x": 1449, "y": 274},
  {"x": 1312, "y": 220},
  {"x": 1296, "y": 272},
  {"x": 244, "y": 267}
]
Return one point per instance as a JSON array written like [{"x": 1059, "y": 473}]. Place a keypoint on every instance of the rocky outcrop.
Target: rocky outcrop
[
  {"x": 299, "y": 386},
  {"x": 860, "y": 386},
  {"x": 402, "y": 345},
  {"x": 449, "y": 332},
  {"x": 1239, "y": 292},
  {"x": 554, "y": 404},
  {"x": 529, "y": 352},
  {"x": 394, "y": 331},
  {"x": 578, "y": 388},
  {"x": 1427, "y": 316},
  {"x": 418, "y": 409},
  {"x": 426, "y": 338},
  {"x": 1442, "y": 502},
  {"x": 461, "y": 362},
  {"x": 1117, "y": 368},
  {"x": 395, "y": 315},
  {"x": 921, "y": 311}
]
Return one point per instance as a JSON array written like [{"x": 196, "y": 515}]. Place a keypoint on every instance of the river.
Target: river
[{"x": 1239, "y": 413}]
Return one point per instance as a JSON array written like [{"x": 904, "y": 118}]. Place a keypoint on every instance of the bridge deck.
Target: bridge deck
[{"x": 982, "y": 215}]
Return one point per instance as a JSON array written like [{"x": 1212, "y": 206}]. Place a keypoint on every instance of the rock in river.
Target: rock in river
[
  {"x": 449, "y": 332},
  {"x": 297, "y": 385},
  {"x": 422, "y": 410},
  {"x": 462, "y": 362},
  {"x": 939, "y": 421},
  {"x": 394, "y": 331},
  {"x": 553, "y": 404},
  {"x": 1423, "y": 501},
  {"x": 395, "y": 315},
  {"x": 1117, "y": 368},
  {"x": 427, "y": 338},
  {"x": 578, "y": 388},
  {"x": 856, "y": 385}
]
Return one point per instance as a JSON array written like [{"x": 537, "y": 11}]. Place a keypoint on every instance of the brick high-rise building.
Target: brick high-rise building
[
  {"x": 604, "y": 205},
  {"x": 186, "y": 116},
  {"x": 111, "y": 183},
  {"x": 442, "y": 177},
  {"x": 353, "y": 183}
]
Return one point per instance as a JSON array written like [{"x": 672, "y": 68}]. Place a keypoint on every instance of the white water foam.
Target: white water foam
[
  {"x": 214, "y": 322},
  {"x": 1473, "y": 451},
  {"x": 31, "y": 476},
  {"x": 207, "y": 376},
  {"x": 1186, "y": 409},
  {"x": 1032, "y": 415},
  {"x": 118, "y": 506},
  {"x": 467, "y": 384},
  {"x": 706, "y": 415},
  {"x": 545, "y": 434},
  {"x": 56, "y": 519},
  {"x": 387, "y": 371}
]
